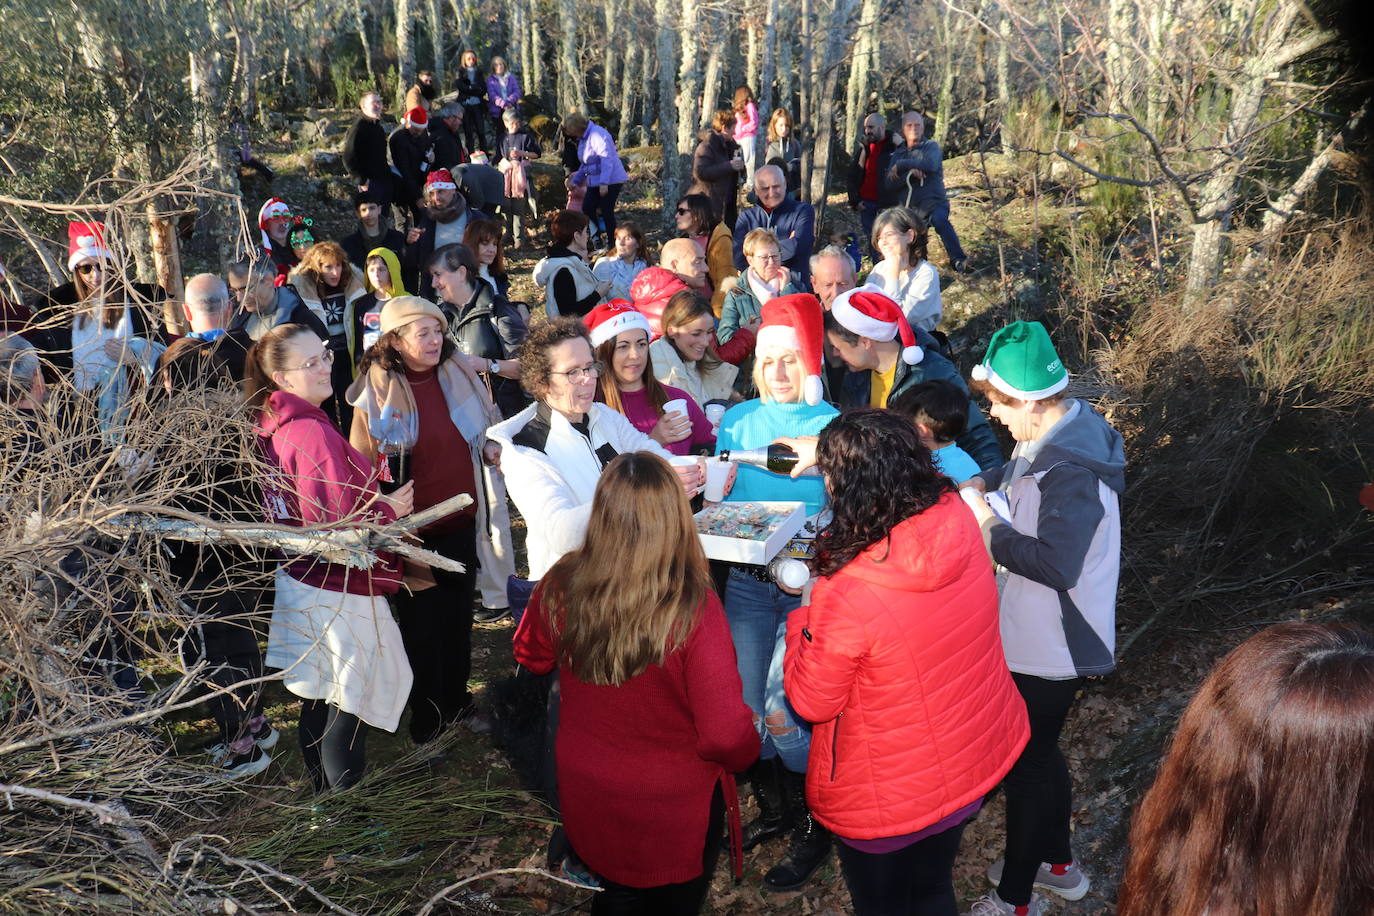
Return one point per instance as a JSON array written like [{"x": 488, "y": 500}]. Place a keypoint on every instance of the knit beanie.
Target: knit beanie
[
  {"x": 610, "y": 318},
  {"x": 795, "y": 323},
  {"x": 872, "y": 313},
  {"x": 403, "y": 310},
  {"x": 1021, "y": 363}
]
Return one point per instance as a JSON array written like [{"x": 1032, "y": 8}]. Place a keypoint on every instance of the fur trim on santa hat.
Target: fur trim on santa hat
[
  {"x": 796, "y": 322},
  {"x": 870, "y": 312},
  {"x": 611, "y": 318},
  {"x": 274, "y": 208},
  {"x": 85, "y": 241}
]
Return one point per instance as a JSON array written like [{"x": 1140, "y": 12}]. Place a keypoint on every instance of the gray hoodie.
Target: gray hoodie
[{"x": 1061, "y": 554}]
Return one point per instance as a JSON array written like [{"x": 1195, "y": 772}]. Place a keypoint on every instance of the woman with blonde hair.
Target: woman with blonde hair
[
  {"x": 331, "y": 634},
  {"x": 1264, "y": 804},
  {"x": 331, "y": 286},
  {"x": 647, "y": 677}
]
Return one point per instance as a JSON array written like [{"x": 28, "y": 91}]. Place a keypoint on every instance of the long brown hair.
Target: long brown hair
[
  {"x": 631, "y": 593},
  {"x": 487, "y": 230},
  {"x": 265, "y": 357},
  {"x": 608, "y": 389},
  {"x": 684, "y": 307},
  {"x": 743, "y": 96},
  {"x": 780, "y": 114},
  {"x": 319, "y": 256},
  {"x": 1264, "y": 804}
]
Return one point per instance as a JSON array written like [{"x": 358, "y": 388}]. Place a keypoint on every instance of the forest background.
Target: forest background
[{"x": 1180, "y": 189}]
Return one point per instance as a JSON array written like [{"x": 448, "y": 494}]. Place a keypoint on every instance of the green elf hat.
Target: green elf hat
[{"x": 1021, "y": 363}]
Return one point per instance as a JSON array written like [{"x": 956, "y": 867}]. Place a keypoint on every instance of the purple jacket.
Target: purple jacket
[
  {"x": 600, "y": 162},
  {"x": 323, "y": 479},
  {"x": 497, "y": 100}
]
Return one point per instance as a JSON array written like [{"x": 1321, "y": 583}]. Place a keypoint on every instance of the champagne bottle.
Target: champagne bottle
[
  {"x": 776, "y": 457},
  {"x": 392, "y": 450}
]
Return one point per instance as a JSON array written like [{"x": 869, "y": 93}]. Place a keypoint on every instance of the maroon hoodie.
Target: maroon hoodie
[{"x": 323, "y": 479}]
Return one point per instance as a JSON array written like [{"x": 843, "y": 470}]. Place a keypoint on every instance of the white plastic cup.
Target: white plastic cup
[
  {"x": 686, "y": 461},
  {"x": 676, "y": 405},
  {"x": 717, "y": 473},
  {"x": 715, "y": 413}
]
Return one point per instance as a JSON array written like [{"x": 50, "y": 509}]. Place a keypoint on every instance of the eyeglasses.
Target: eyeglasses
[
  {"x": 767, "y": 258},
  {"x": 324, "y": 359},
  {"x": 582, "y": 373},
  {"x": 683, "y": 211},
  {"x": 89, "y": 268}
]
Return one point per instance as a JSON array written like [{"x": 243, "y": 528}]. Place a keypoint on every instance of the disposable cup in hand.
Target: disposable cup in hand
[
  {"x": 715, "y": 413},
  {"x": 686, "y": 461},
  {"x": 676, "y": 405},
  {"x": 717, "y": 473}
]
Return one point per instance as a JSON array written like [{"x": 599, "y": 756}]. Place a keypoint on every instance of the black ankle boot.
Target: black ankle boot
[
  {"x": 810, "y": 842},
  {"x": 766, "y": 778}
]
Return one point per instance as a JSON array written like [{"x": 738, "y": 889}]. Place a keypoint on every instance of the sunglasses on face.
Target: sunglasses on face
[{"x": 89, "y": 268}]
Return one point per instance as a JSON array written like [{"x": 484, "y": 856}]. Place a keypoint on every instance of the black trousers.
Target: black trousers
[
  {"x": 474, "y": 124},
  {"x": 682, "y": 899},
  {"x": 598, "y": 205},
  {"x": 1038, "y": 788},
  {"x": 333, "y": 743},
  {"x": 916, "y": 880},
  {"x": 436, "y": 626},
  {"x": 228, "y": 644}
]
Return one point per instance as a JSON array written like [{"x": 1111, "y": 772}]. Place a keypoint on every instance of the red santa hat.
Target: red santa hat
[
  {"x": 872, "y": 313},
  {"x": 440, "y": 180},
  {"x": 274, "y": 208},
  {"x": 85, "y": 240},
  {"x": 610, "y": 318},
  {"x": 795, "y": 323},
  {"x": 417, "y": 117}
]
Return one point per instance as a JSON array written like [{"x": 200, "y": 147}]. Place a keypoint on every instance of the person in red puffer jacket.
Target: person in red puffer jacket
[
  {"x": 332, "y": 634},
  {"x": 896, "y": 658}
]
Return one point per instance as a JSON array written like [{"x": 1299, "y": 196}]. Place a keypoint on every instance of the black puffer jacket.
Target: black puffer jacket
[{"x": 490, "y": 327}]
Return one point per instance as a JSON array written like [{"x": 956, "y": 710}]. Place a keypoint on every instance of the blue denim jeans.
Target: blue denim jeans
[
  {"x": 939, "y": 221},
  {"x": 757, "y": 613}
]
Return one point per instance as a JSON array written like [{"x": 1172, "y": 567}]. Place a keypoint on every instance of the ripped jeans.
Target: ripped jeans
[{"x": 757, "y": 613}]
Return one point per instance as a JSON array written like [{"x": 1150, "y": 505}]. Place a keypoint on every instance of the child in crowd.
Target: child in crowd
[
  {"x": 940, "y": 411},
  {"x": 624, "y": 264}
]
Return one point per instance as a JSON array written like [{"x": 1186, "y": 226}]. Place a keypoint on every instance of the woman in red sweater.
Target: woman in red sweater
[
  {"x": 652, "y": 724},
  {"x": 897, "y": 659},
  {"x": 331, "y": 634}
]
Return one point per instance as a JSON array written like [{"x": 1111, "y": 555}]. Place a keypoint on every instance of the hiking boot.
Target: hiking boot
[
  {"x": 486, "y": 614},
  {"x": 241, "y": 766},
  {"x": 1069, "y": 882},
  {"x": 809, "y": 845},
  {"x": 765, "y": 778},
  {"x": 993, "y": 905}
]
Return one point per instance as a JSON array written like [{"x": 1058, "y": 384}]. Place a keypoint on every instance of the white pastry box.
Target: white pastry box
[{"x": 748, "y": 532}]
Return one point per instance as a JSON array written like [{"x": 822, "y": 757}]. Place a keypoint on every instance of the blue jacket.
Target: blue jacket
[
  {"x": 788, "y": 217},
  {"x": 977, "y": 439}
]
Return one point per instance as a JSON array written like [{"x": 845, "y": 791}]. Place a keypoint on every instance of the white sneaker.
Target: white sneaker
[
  {"x": 219, "y": 753},
  {"x": 992, "y": 905},
  {"x": 1071, "y": 885},
  {"x": 250, "y": 764}
]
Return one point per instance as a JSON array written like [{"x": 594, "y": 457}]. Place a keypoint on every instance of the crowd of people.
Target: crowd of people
[{"x": 959, "y": 600}]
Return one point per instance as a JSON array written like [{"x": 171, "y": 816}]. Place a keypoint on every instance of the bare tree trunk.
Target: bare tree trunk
[
  {"x": 1122, "y": 35},
  {"x": 649, "y": 73},
  {"x": 360, "y": 23},
  {"x": 768, "y": 69},
  {"x": 613, "y": 91},
  {"x": 860, "y": 67},
  {"x": 626, "y": 96},
  {"x": 218, "y": 214},
  {"x": 751, "y": 60},
  {"x": 1220, "y": 192},
  {"x": 435, "y": 14},
  {"x": 944, "y": 104},
  {"x": 806, "y": 100},
  {"x": 1004, "y": 78},
  {"x": 689, "y": 76},
  {"x": 572, "y": 91},
  {"x": 405, "y": 50},
  {"x": 667, "y": 111},
  {"x": 715, "y": 67},
  {"x": 835, "y": 36},
  {"x": 787, "y": 88},
  {"x": 248, "y": 48},
  {"x": 536, "y": 47}
]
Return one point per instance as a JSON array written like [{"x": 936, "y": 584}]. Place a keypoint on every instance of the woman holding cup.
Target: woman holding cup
[
  {"x": 787, "y": 370},
  {"x": 620, "y": 336}
]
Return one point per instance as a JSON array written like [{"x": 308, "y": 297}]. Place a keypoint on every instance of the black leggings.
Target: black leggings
[
  {"x": 1039, "y": 790},
  {"x": 682, "y": 899},
  {"x": 333, "y": 743},
  {"x": 230, "y": 649},
  {"x": 916, "y": 880},
  {"x": 436, "y": 627},
  {"x": 597, "y": 204}
]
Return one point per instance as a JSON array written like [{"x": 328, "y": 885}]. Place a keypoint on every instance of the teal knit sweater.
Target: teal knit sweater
[{"x": 754, "y": 424}]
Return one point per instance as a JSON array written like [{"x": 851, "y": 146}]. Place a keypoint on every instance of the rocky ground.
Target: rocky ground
[{"x": 1113, "y": 738}]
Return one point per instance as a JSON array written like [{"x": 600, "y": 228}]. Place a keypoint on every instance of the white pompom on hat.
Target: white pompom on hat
[
  {"x": 85, "y": 241},
  {"x": 611, "y": 318},
  {"x": 872, "y": 313},
  {"x": 796, "y": 322}
]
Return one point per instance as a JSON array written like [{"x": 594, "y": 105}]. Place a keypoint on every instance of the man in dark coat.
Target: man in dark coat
[
  {"x": 372, "y": 232},
  {"x": 412, "y": 155},
  {"x": 867, "y": 182},
  {"x": 443, "y": 132},
  {"x": 364, "y": 152}
]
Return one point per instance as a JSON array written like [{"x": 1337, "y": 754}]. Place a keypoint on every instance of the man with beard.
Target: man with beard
[
  {"x": 443, "y": 132},
  {"x": 364, "y": 152},
  {"x": 412, "y": 155},
  {"x": 444, "y": 217},
  {"x": 423, "y": 92}
]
